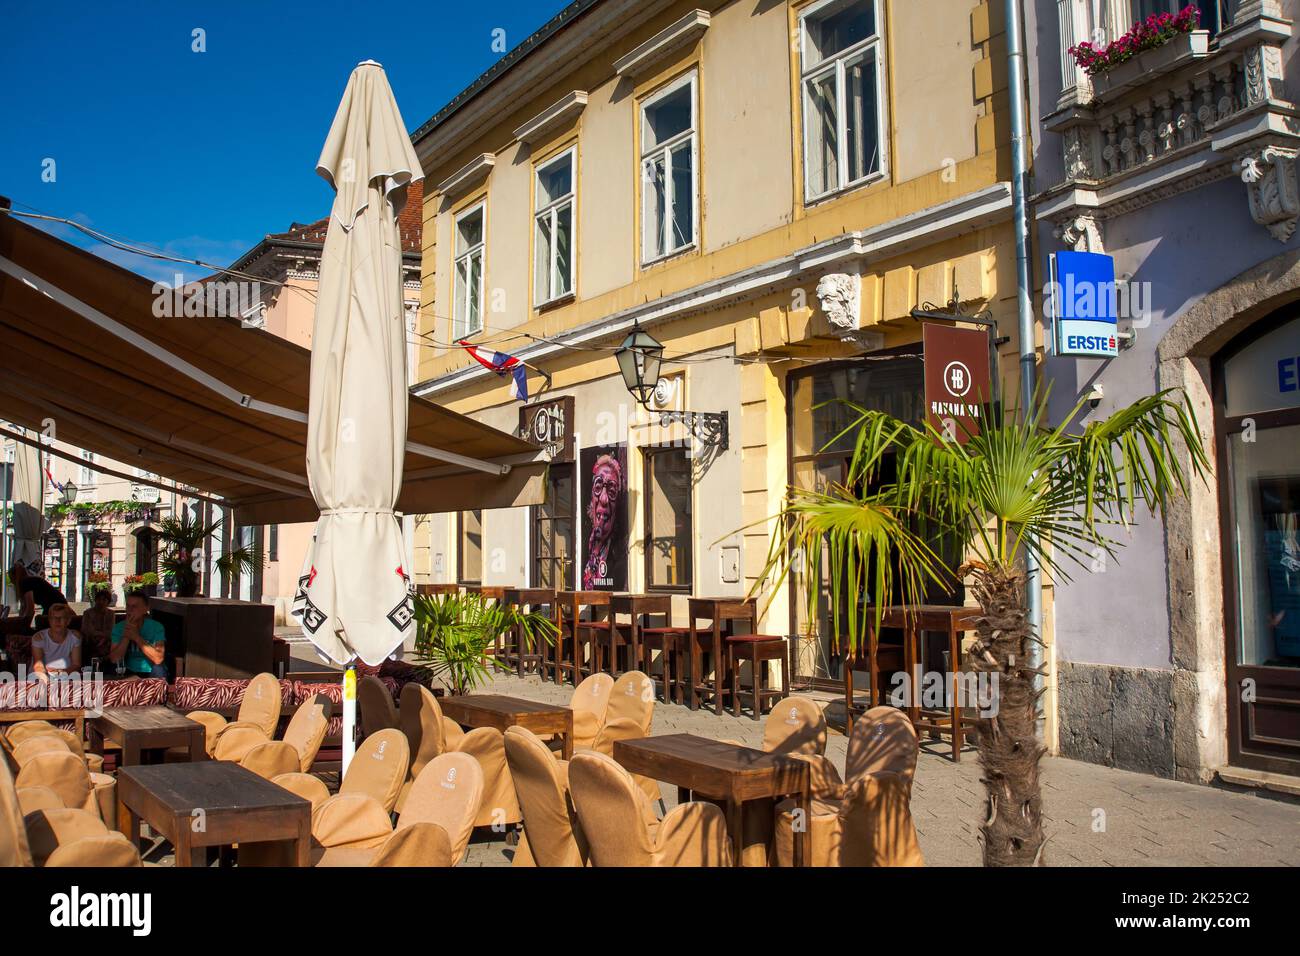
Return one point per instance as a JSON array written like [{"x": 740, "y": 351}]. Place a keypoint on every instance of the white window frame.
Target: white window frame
[
  {"x": 552, "y": 210},
  {"x": 460, "y": 327},
  {"x": 87, "y": 474},
  {"x": 874, "y": 47},
  {"x": 665, "y": 149}
]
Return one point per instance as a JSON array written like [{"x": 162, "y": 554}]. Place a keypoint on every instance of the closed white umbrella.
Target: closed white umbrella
[
  {"x": 354, "y": 598},
  {"x": 29, "y": 507}
]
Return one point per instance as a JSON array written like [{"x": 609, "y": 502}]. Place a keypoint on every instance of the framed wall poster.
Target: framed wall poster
[{"x": 603, "y": 489}]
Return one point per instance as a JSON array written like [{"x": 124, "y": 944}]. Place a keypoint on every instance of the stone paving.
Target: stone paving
[{"x": 1096, "y": 816}]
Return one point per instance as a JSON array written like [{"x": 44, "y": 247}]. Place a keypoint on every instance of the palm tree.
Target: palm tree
[
  {"x": 1016, "y": 488},
  {"x": 182, "y": 538},
  {"x": 455, "y": 634}
]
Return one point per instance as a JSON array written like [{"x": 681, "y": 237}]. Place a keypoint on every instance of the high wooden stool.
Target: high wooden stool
[
  {"x": 723, "y": 614},
  {"x": 758, "y": 650},
  {"x": 672, "y": 644},
  {"x": 516, "y": 652},
  {"x": 578, "y": 636}
]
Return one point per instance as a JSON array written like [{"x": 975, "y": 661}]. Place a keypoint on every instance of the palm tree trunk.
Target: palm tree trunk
[{"x": 1007, "y": 739}]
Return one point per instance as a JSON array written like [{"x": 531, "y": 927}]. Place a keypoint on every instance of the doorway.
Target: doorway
[{"x": 1257, "y": 400}]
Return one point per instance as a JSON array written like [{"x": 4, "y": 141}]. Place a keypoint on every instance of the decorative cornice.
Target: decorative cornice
[
  {"x": 553, "y": 117},
  {"x": 845, "y": 252},
  {"x": 677, "y": 36},
  {"x": 468, "y": 176}
]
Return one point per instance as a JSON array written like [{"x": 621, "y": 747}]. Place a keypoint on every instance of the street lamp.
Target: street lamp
[
  {"x": 639, "y": 359},
  {"x": 69, "y": 493}
]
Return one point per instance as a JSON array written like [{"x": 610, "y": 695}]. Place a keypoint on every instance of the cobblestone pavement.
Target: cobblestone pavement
[{"x": 1096, "y": 816}]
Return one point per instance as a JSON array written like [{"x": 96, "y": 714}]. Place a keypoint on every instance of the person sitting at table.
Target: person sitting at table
[
  {"x": 97, "y": 626},
  {"x": 139, "y": 641},
  {"x": 57, "y": 649},
  {"x": 32, "y": 589}
]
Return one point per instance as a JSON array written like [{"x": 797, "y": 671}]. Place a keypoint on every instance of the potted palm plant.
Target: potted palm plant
[
  {"x": 456, "y": 632},
  {"x": 1017, "y": 488},
  {"x": 181, "y": 539}
]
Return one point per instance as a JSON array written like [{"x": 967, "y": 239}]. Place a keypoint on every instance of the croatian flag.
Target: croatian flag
[
  {"x": 53, "y": 483},
  {"x": 501, "y": 363}
]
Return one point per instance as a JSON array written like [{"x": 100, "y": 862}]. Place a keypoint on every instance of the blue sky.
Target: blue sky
[{"x": 203, "y": 153}]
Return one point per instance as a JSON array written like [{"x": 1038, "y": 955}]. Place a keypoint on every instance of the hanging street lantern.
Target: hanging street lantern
[{"x": 639, "y": 359}]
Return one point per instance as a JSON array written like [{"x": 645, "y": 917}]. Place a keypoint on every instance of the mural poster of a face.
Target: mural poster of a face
[{"x": 604, "y": 514}]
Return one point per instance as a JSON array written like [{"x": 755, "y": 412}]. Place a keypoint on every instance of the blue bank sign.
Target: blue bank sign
[{"x": 1082, "y": 297}]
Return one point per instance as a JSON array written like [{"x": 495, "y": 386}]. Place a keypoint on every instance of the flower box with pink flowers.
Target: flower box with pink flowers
[{"x": 1153, "y": 46}]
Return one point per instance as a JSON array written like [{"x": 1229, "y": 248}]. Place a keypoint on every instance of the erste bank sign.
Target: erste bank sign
[{"x": 1082, "y": 298}]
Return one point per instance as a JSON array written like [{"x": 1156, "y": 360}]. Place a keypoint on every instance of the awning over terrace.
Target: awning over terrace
[{"x": 203, "y": 400}]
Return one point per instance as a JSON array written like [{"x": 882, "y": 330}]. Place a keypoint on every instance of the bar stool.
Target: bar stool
[
  {"x": 722, "y": 615},
  {"x": 758, "y": 650},
  {"x": 581, "y": 635},
  {"x": 516, "y": 652},
  {"x": 671, "y": 643}
]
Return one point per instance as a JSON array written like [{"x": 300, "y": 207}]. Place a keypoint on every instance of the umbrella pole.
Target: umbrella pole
[{"x": 349, "y": 718}]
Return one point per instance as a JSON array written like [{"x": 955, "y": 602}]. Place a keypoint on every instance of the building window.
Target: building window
[
  {"x": 553, "y": 234},
  {"x": 668, "y": 535},
  {"x": 669, "y": 148},
  {"x": 1215, "y": 14},
  {"x": 273, "y": 543},
  {"x": 87, "y": 472},
  {"x": 468, "y": 317},
  {"x": 552, "y": 544},
  {"x": 471, "y": 547},
  {"x": 839, "y": 46}
]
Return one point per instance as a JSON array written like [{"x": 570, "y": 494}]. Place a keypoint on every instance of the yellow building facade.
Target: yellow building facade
[{"x": 769, "y": 189}]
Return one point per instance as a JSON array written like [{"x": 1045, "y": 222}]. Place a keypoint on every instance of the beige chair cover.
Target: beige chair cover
[
  {"x": 110, "y": 850},
  {"x": 430, "y": 733},
  {"x": 66, "y": 774},
  {"x": 312, "y": 789},
  {"x": 446, "y": 795},
  {"x": 31, "y": 799},
  {"x": 551, "y": 828},
  {"x": 14, "y": 848},
  {"x": 376, "y": 706},
  {"x": 39, "y": 744},
  {"x": 611, "y": 809},
  {"x": 259, "y": 710},
  {"x": 20, "y": 731},
  {"x": 48, "y": 829},
  {"x": 883, "y": 743},
  {"x": 41, "y": 729},
  {"x": 307, "y": 729},
  {"x": 629, "y": 716},
  {"x": 378, "y": 768},
  {"x": 796, "y": 725},
  {"x": 589, "y": 704}
]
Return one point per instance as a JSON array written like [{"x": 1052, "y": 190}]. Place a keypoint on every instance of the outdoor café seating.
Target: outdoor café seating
[
  {"x": 295, "y": 751},
  {"x": 589, "y": 703},
  {"x": 260, "y": 709},
  {"x": 429, "y": 733},
  {"x": 612, "y": 809},
  {"x": 433, "y": 828},
  {"x": 868, "y": 818},
  {"x": 552, "y": 834},
  {"x": 65, "y": 774},
  {"x": 375, "y": 705},
  {"x": 54, "y": 836}
]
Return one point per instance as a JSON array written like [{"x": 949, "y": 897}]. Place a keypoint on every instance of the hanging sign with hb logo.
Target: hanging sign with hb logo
[{"x": 958, "y": 383}]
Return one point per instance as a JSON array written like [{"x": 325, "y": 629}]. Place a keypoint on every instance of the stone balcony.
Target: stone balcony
[{"x": 1172, "y": 120}]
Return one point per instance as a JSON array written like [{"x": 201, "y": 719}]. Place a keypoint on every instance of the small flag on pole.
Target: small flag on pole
[
  {"x": 502, "y": 364},
  {"x": 54, "y": 484}
]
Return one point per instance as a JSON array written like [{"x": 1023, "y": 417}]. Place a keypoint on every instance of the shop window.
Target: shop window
[
  {"x": 668, "y": 532},
  {"x": 471, "y": 547}
]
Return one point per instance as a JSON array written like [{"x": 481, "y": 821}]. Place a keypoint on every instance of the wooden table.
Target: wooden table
[
  {"x": 527, "y": 599},
  {"x": 720, "y": 611},
  {"x": 637, "y": 607},
  {"x": 76, "y": 716},
  {"x": 138, "y": 729},
  {"x": 724, "y": 772},
  {"x": 499, "y": 711},
  {"x": 915, "y": 620},
  {"x": 211, "y": 803},
  {"x": 217, "y": 637}
]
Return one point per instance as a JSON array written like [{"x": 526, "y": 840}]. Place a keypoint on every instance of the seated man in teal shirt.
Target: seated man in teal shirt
[{"x": 139, "y": 640}]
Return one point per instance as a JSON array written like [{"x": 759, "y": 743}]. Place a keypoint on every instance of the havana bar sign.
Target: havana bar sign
[{"x": 549, "y": 424}]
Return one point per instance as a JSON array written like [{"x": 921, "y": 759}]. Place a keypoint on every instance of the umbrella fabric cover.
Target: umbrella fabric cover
[
  {"x": 28, "y": 507},
  {"x": 353, "y": 597}
]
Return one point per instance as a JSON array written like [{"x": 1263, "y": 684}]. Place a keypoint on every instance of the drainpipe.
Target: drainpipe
[{"x": 1024, "y": 302}]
